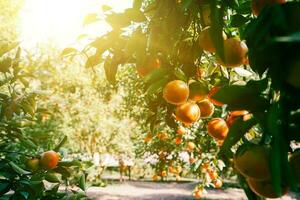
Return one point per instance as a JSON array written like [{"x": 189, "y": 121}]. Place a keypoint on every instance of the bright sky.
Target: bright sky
[{"x": 60, "y": 21}]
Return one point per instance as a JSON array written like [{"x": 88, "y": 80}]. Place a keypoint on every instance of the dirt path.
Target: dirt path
[{"x": 163, "y": 191}]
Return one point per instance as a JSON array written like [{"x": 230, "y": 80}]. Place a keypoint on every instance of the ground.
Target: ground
[{"x": 140, "y": 190}]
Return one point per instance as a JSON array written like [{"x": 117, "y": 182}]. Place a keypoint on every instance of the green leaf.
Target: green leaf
[
  {"x": 241, "y": 98},
  {"x": 28, "y": 143},
  {"x": 82, "y": 184},
  {"x": 135, "y": 15},
  {"x": 63, "y": 171},
  {"x": 236, "y": 132},
  {"x": 156, "y": 75},
  {"x": 216, "y": 29},
  {"x": 70, "y": 163},
  {"x": 68, "y": 51},
  {"x": 5, "y": 64},
  {"x": 238, "y": 20},
  {"x": 274, "y": 114},
  {"x": 4, "y": 186},
  {"x": 106, "y": 8},
  {"x": 111, "y": 69},
  {"x": 62, "y": 142},
  {"x": 52, "y": 177},
  {"x": 18, "y": 169},
  {"x": 180, "y": 74},
  {"x": 157, "y": 87},
  {"x": 93, "y": 60},
  {"x": 4, "y": 48},
  {"x": 90, "y": 18}
]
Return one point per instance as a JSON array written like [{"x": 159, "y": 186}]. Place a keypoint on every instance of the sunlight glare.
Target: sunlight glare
[{"x": 59, "y": 22}]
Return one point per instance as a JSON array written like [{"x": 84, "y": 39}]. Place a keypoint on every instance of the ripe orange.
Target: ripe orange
[
  {"x": 187, "y": 113},
  {"x": 253, "y": 163},
  {"x": 181, "y": 130},
  {"x": 150, "y": 65},
  {"x": 213, "y": 175},
  {"x": 206, "y": 165},
  {"x": 218, "y": 183},
  {"x": 217, "y": 128},
  {"x": 210, "y": 95},
  {"x": 206, "y": 42},
  {"x": 198, "y": 193},
  {"x": 163, "y": 173},
  {"x": 176, "y": 92},
  {"x": 162, "y": 136},
  {"x": 235, "y": 53},
  {"x": 192, "y": 160},
  {"x": 33, "y": 164},
  {"x": 206, "y": 108},
  {"x": 198, "y": 91},
  {"x": 295, "y": 163},
  {"x": 258, "y": 5},
  {"x": 265, "y": 188},
  {"x": 179, "y": 169},
  {"x": 49, "y": 159},
  {"x": 190, "y": 146},
  {"x": 232, "y": 116},
  {"x": 148, "y": 138},
  {"x": 178, "y": 140},
  {"x": 155, "y": 177},
  {"x": 172, "y": 170}
]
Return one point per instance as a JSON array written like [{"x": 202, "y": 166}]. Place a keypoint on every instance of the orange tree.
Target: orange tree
[
  {"x": 240, "y": 56},
  {"x": 30, "y": 164}
]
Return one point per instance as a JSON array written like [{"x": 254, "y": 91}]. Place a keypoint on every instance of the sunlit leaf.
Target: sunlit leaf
[{"x": 90, "y": 18}]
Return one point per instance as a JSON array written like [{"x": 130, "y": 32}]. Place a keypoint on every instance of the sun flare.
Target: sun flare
[{"x": 59, "y": 22}]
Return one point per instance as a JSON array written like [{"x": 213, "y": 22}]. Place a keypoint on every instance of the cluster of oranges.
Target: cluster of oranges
[
  {"x": 253, "y": 164},
  {"x": 48, "y": 160}
]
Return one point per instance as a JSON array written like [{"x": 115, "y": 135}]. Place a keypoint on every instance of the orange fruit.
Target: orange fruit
[
  {"x": 150, "y": 65},
  {"x": 232, "y": 116},
  {"x": 179, "y": 169},
  {"x": 210, "y": 95},
  {"x": 258, "y": 5},
  {"x": 206, "y": 165},
  {"x": 155, "y": 177},
  {"x": 192, "y": 160},
  {"x": 163, "y": 173},
  {"x": 187, "y": 113},
  {"x": 190, "y": 146},
  {"x": 198, "y": 91},
  {"x": 181, "y": 130},
  {"x": 172, "y": 170},
  {"x": 253, "y": 163},
  {"x": 295, "y": 163},
  {"x": 206, "y": 108},
  {"x": 178, "y": 140},
  {"x": 265, "y": 188},
  {"x": 235, "y": 53},
  {"x": 206, "y": 42},
  {"x": 217, "y": 128},
  {"x": 162, "y": 136},
  {"x": 176, "y": 92},
  {"x": 49, "y": 159},
  {"x": 218, "y": 183},
  {"x": 198, "y": 193},
  {"x": 33, "y": 164},
  {"x": 213, "y": 175},
  {"x": 148, "y": 138}
]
